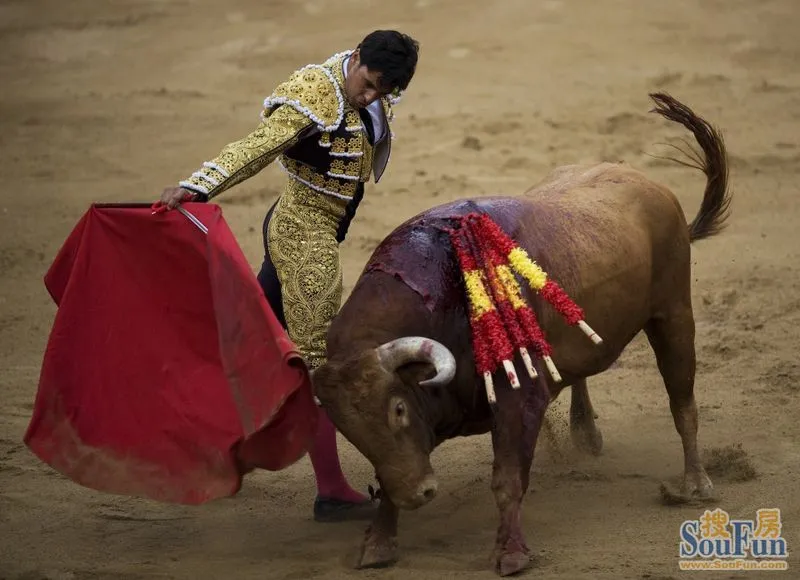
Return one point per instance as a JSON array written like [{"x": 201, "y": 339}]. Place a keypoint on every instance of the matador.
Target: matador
[{"x": 329, "y": 127}]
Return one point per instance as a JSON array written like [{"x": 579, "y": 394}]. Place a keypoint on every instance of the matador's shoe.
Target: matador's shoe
[
  {"x": 328, "y": 510},
  {"x": 337, "y": 510}
]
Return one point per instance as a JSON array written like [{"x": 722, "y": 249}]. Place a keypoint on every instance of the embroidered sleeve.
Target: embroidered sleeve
[{"x": 242, "y": 159}]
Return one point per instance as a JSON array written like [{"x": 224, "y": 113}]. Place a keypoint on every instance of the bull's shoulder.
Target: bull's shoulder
[
  {"x": 428, "y": 231},
  {"x": 419, "y": 253}
]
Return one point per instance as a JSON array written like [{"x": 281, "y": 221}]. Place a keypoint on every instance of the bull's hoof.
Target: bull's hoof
[
  {"x": 698, "y": 485},
  {"x": 587, "y": 440},
  {"x": 696, "y": 490},
  {"x": 377, "y": 552},
  {"x": 511, "y": 557},
  {"x": 510, "y": 563}
]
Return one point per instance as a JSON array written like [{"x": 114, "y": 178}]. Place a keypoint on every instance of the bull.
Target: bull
[{"x": 400, "y": 376}]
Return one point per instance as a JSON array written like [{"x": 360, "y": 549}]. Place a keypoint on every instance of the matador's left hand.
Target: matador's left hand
[{"x": 171, "y": 197}]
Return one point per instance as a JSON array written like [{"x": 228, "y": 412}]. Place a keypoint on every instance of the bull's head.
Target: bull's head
[{"x": 387, "y": 418}]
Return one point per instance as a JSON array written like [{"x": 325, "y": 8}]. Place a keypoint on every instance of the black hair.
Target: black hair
[{"x": 391, "y": 53}]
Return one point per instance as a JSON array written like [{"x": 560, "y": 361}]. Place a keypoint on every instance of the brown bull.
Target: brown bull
[{"x": 401, "y": 379}]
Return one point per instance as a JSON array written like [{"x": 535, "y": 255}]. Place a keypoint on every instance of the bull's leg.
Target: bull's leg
[
  {"x": 380, "y": 540},
  {"x": 518, "y": 418},
  {"x": 672, "y": 339},
  {"x": 585, "y": 434}
]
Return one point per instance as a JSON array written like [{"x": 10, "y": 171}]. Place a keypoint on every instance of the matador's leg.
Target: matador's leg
[{"x": 306, "y": 258}]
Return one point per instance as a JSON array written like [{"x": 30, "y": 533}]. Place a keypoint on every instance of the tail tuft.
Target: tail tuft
[{"x": 715, "y": 207}]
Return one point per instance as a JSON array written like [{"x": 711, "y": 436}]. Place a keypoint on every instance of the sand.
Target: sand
[{"x": 115, "y": 101}]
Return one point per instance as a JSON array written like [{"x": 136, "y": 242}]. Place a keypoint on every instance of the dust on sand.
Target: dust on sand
[{"x": 114, "y": 101}]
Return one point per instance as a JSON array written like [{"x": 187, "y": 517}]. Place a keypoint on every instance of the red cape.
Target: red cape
[{"x": 166, "y": 374}]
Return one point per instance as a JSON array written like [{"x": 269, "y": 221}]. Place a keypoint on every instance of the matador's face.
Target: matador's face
[{"x": 362, "y": 86}]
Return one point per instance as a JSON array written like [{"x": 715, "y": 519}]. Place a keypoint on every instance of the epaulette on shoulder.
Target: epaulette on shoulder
[{"x": 313, "y": 92}]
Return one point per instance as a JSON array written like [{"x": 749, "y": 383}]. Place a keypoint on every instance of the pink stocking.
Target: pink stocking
[{"x": 331, "y": 482}]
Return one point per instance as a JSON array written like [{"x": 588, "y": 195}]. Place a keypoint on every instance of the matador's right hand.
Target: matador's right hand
[{"x": 172, "y": 197}]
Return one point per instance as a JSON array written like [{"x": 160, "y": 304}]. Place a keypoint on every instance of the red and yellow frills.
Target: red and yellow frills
[
  {"x": 489, "y": 339},
  {"x": 500, "y": 319}
]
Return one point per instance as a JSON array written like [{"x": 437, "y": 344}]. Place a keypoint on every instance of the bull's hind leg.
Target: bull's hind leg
[
  {"x": 517, "y": 420},
  {"x": 585, "y": 434},
  {"x": 672, "y": 339}
]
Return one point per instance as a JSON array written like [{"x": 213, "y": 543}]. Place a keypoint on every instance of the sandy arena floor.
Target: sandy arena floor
[{"x": 114, "y": 101}]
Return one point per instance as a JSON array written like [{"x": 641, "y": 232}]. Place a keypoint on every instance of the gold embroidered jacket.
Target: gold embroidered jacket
[{"x": 316, "y": 136}]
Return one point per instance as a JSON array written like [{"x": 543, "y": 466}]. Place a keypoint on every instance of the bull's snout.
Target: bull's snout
[
  {"x": 426, "y": 491},
  {"x": 428, "y": 488},
  {"x": 412, "y": 497}
]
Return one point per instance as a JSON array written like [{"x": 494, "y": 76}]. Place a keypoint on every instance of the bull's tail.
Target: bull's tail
[{"x": 715, "y": 207}]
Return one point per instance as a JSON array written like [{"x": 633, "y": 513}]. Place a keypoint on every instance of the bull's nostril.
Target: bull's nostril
[{"x": 429, "y": 493}]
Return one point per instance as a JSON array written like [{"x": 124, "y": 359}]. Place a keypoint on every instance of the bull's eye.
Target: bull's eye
[{"x": 397, "y": 413}]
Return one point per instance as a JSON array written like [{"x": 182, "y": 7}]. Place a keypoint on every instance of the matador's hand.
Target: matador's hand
[{"x": 172, "y": 197}]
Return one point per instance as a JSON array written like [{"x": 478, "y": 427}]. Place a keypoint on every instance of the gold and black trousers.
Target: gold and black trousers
[{"x": 301, "y": 275}]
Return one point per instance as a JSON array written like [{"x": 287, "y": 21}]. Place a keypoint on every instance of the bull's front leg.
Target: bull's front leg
[
  {"x": 379, "y": 547},
  {"x": 518, "y": 418}
]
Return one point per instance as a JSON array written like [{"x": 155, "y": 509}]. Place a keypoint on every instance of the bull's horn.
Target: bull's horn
[{"x": 407, "y": 349}]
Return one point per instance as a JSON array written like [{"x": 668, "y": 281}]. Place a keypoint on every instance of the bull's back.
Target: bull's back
[
  {"x": 609, "y": 236},
  {"x": 599, "y": 231}
]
